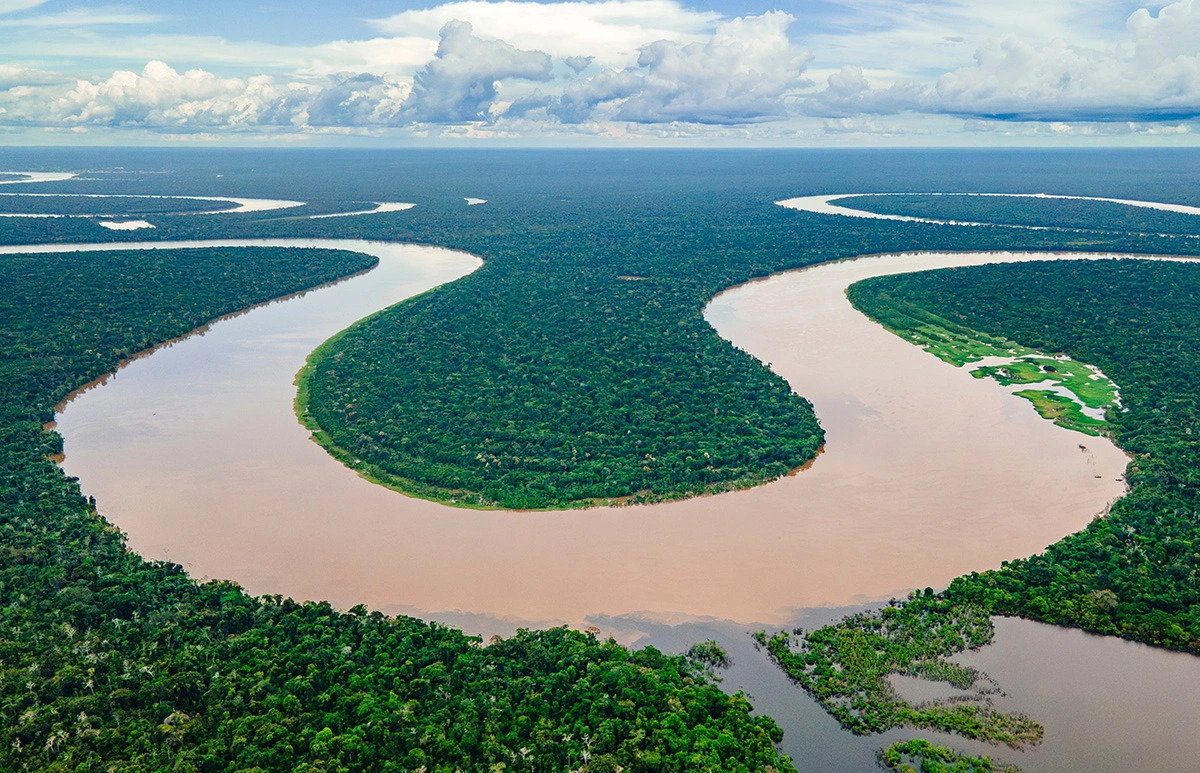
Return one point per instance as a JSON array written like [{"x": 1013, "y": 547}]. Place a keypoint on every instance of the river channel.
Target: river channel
[
  {"x": 927, "y": 473},
  {"x": 194, "y": 451}
]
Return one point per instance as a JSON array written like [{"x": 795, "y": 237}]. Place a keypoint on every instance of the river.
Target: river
[{"x": 927, "y": 473}]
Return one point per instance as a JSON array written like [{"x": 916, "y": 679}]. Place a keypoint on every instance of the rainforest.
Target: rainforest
[{"x": 575, "y": 369}]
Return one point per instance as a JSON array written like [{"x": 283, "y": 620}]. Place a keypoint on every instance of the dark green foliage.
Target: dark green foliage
[
  {"x": 575, "y": 368},
  {"x": 1136, "y": 572},
  {"x": 100, "y": 206},
  {"x": 920, "y": 756},
  {"x": 1105, "y": 216},
  {"x": 846, "y": 666},
  {"x": 111, "y": 663},
  {"x": 541, "y": 400},
  {"x": 710, "y": 653},
  {"x": 558, "y": 236}
]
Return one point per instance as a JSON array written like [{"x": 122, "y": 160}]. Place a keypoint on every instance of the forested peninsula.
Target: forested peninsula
[
  {"x": 576, "y": 368},
  {"x": 1134, "y": 572},
  {"x": 1029, "y": 212}
]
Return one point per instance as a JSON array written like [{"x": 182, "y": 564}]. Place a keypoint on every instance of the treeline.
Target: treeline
[
  {"x": 1134, "y": 573},
  {"x": 1030, "y": 211},
  {"x": 846, "y": 667},
  {"x": 100, "y": 206},
  {"x": 112, "y": 663}
]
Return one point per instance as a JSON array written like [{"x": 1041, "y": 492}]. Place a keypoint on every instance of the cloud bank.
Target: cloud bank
[{"x": 640, "y": 67}]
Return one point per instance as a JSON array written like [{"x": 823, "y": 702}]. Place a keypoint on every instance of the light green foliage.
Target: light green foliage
[
  {"x": 1092, "y": 388},
  {"x": 949, "y": 342},
  {"x": 959, "y": 345},
  {"x": 1134, "y": 572},
  {"x": 920, "y": 756},
  {"x": 846, "y": 667},
  {"x": 1063, "y": 411},
  {"x": 710, "y": 654}
]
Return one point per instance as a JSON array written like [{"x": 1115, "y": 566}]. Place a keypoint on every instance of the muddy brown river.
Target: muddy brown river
[
  {"x": 195, "y": 453},
  {"x": 927, "y": 473}
]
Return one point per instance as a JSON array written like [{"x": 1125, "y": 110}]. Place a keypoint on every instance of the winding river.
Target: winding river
[
  {"x": 927, "y": 473},
  {"x": 194, "y": 451}
]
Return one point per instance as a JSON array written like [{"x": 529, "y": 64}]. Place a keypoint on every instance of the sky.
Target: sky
[{"x": 833, "y": 73}]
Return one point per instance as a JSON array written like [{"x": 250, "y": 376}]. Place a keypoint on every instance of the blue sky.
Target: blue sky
[{"x": 639, "y": 72}]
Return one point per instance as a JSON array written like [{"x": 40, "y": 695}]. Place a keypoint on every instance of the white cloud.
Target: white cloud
[
  {"x": 741, "y": 74},
  {"x": 612, "y": 31},
  {"x": 12, "y": 6},
  {"x": 461, "y": 83},
  {"x": 631, "y": 68},
  {"x": 11, "y": 76},
  {"x": 157, "y": 97},
  {"x": 1152, "y": 74},
  {"x": 355, "y": 100},
  {"x": 82, "y": 17}
]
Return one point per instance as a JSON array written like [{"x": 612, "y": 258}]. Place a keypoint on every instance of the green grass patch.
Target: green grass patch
[
  {"x": 941, "y": 337},
  {"x": 1093, "y": 390},
  {"x": 1063, "y": 411}
]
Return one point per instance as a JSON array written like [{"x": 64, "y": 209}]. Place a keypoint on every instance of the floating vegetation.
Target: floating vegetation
[{"x": 921, "y": 756}]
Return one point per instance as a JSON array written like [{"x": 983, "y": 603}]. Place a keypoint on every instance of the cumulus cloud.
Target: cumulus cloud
[
  {"x": 741, "y": 74},
  {"x": 579, "y": 63},
  {"x": 1154, "y": 75},
  {"x": 1151, "y": 75},
  {"x": 461, "y": 83},
  {"x": 356, "y": 100},
  {"x": 157, "y": 97},
  {"x": 612, "y": 31},
  {"x": 848, "y": 93}
]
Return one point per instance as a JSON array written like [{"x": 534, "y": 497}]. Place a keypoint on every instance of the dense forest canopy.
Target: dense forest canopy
[
  {"x": 1030, "y": 211},
  {"x": 106, "y": 205},
  {"x": 1134, "y": 572}
]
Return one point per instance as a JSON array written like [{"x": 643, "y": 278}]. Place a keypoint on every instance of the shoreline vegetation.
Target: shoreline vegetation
[
  {"x": 846, "y": 666},
  {"x": 920, "y": 756},
  {"x": 568, "y": 442},
  {"x": 1089, "y": 391},
  {"x": 1030, "y": 212}
]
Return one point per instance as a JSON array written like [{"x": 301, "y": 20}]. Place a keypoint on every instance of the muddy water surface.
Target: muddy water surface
[{"x": 928, "y": 473}]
